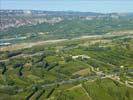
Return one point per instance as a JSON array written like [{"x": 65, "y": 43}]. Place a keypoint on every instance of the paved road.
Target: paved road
[
  {"x": 29, "y": 45},
  {"x": 70, "y": 81},
  {"x": 86, "y": 79},
  {"x": 76, "y": 80}
]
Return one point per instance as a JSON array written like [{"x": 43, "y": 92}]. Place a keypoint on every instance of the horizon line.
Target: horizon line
[{"x": 69, "y": 11}]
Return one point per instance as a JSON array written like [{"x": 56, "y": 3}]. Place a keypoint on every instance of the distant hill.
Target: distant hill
[
  {"x": 60, "y": 24},
  {"x": 53, "y": 13}
]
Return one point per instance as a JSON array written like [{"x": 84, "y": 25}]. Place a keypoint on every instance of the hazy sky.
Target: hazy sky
[{"x": 75, "y": 5}]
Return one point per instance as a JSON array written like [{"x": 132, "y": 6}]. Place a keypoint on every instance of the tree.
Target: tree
[{"x": 2, "y": 65}]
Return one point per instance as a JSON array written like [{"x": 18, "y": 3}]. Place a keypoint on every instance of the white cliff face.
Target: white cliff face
[
  {"x": 17, "y": 22},
  {"x": 17, "y": 18}
]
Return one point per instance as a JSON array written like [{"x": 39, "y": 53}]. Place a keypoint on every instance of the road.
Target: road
[
  {"x": 29, "y": 45},
  {"x": 70, "y": 81},
  {"x": 111, "y": 76},
  {"x": 83, "y": 79}
]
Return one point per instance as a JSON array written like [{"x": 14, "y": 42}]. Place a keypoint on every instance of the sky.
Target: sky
[{"x": 104, "y": 6}]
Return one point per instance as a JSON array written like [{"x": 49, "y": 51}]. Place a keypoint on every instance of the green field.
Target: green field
[
  {"x": 66, "y": 56},
  {"x": 51, "y": 72}
]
